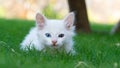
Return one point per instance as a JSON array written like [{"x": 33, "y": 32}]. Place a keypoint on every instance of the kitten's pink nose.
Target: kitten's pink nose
[{"x": 54, "y": 42}]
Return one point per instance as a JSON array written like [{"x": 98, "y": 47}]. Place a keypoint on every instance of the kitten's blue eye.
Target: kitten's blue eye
[
  {"x": 48, "y": 35},
  {"x": 61, "y": 35}
]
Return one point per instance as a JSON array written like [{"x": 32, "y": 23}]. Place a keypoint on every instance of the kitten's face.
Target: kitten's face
[{"x": 54, "y": 33}]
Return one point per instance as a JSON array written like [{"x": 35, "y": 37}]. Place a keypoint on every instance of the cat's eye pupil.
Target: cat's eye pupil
[
  {"x": 61, "y": 35},
  {"x": 47, "y": 35}
]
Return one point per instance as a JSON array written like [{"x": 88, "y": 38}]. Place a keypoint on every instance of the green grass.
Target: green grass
[{"x": 95, "y": 50}]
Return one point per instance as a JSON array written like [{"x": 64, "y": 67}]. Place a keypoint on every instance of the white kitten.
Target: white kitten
[{"x": 53, "y": 34}]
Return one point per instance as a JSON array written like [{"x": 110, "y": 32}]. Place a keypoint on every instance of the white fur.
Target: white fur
[{"x": 37, "y": 39}]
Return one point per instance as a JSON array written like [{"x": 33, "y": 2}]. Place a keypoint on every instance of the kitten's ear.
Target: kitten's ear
[
  {"x": 69, "y": 20},
  {"x": 40, "y": 20}
]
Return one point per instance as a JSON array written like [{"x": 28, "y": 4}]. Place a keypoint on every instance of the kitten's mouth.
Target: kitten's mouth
[{"x": 54, "y": 45}]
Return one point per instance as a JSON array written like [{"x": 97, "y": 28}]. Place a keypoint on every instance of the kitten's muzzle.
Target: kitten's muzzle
[{"x": 54, "y": 42}]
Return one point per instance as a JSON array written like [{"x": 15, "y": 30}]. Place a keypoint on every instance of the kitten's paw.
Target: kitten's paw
[
  {"x": 24, "y": 48},
  {"x": 72, "y": 52}
]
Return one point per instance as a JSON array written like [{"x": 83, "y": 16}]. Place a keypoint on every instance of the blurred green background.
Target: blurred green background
[{"x": 99, "y": 11}]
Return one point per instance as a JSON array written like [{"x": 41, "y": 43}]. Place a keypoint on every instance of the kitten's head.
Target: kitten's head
[{"x": 55, "y": 33}]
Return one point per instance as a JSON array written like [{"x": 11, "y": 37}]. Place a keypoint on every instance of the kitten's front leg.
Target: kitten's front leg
[
  {"x": 39, "y": 47},
  {"x": 36, "y": 45},
  {"x": 69, "y": 48}
]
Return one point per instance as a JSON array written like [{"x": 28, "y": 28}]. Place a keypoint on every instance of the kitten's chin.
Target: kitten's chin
[{"x": 55, "y": 46}]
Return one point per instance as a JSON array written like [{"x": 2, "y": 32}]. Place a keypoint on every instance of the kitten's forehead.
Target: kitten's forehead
[{"x": 55, "y": 25}]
